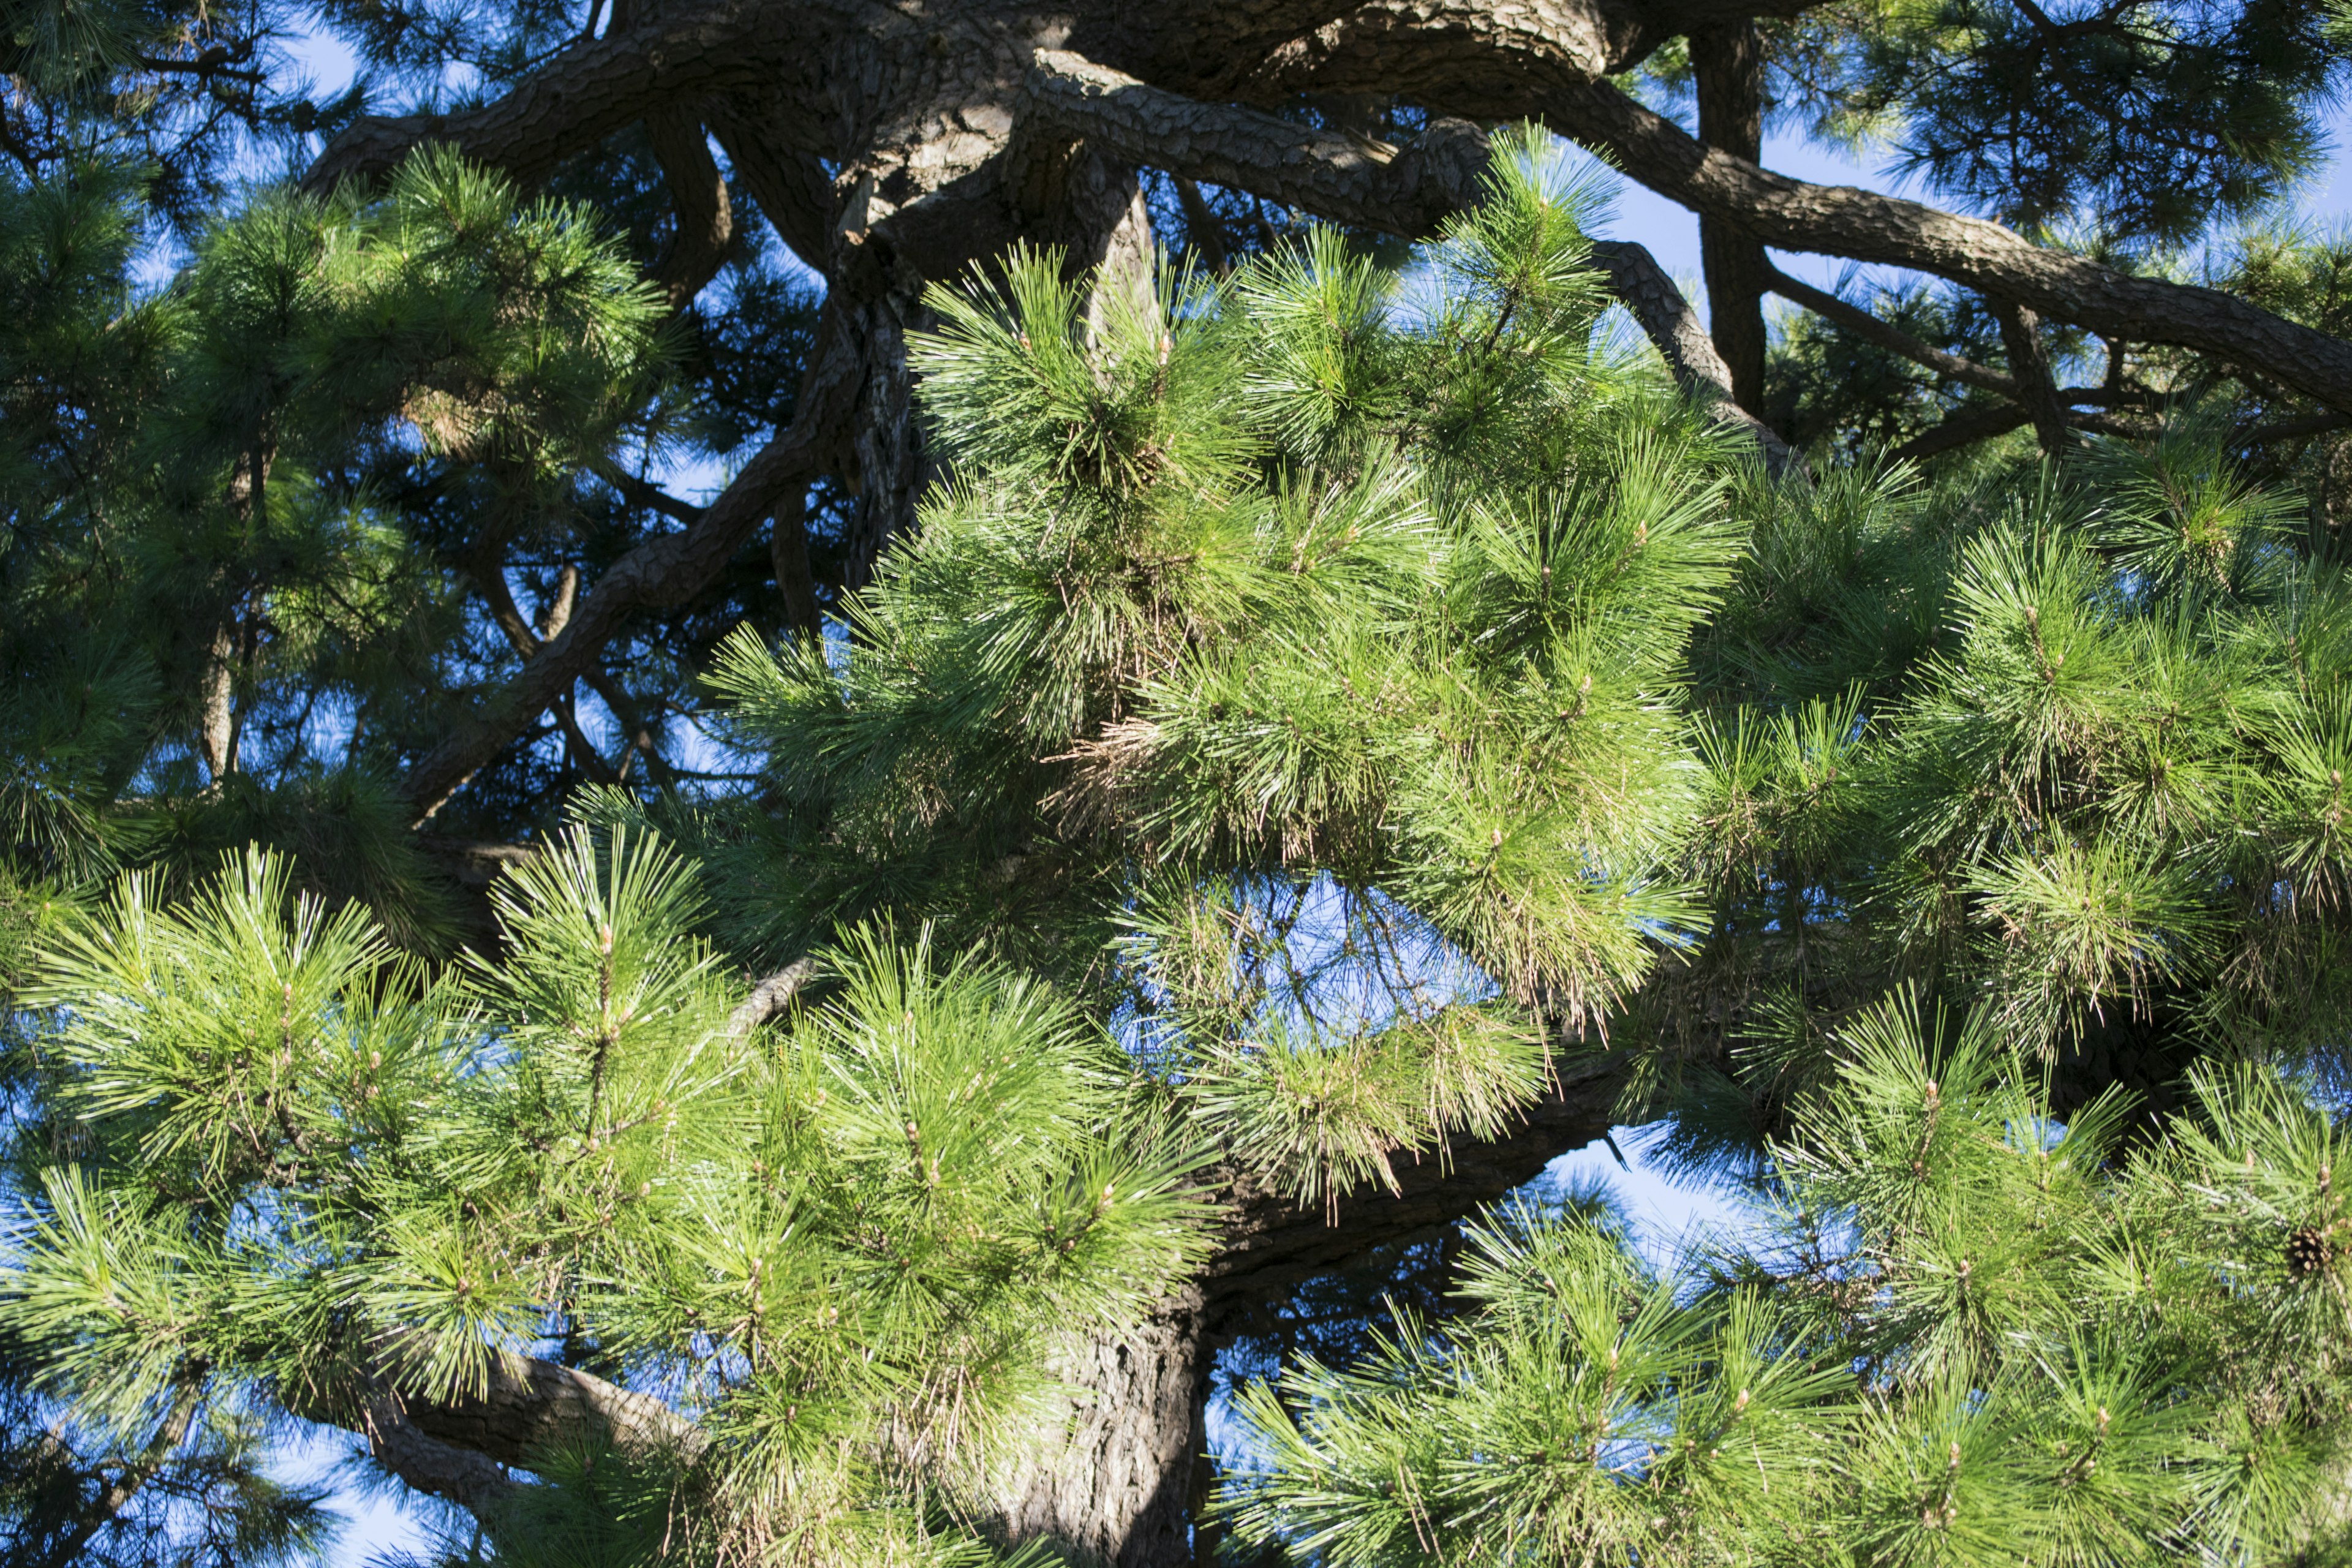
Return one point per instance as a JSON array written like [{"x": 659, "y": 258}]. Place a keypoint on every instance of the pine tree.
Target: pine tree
[
  {"x": 1964, "y": 1332},
  {"x": 1349, "y": 721}
]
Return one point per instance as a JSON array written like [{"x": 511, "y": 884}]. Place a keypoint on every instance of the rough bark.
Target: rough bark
[
  {"x": 1109, "y": 1479},
  {"x": 1727, "y": 64},
  {"x": 929, "y": 114},
  {"x": 789, "y": 185},
  {"x": 2029, "y": 364},
  {"x": 1407, "y": 191},
  {"x": 704, "y": 219},
  {"x": 957, "y": 127},
  {"x": 1115, "y": 1478},
  {"x": 771, "y": 996},
  {"x": 917, "y": 106}
]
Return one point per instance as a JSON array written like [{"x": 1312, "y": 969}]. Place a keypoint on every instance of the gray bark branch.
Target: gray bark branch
[
  {"x": 666, "y": 570},
  {"x": 1866, "y": 227},
  {"x": 1406, "y": 191}
]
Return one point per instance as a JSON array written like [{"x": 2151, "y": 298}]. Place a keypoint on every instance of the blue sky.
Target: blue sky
[{"x": 1663, "y": 1212}]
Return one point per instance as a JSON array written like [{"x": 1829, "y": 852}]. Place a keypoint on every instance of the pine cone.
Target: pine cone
[{"x": 2308, "y": 1251}]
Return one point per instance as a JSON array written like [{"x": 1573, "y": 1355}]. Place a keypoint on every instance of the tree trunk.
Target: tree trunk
[
  {"x": 895, "y": 146},
  {"x": 1110, "y": 1482},
  {"x": 1118, "y": 1479},
  {"x": 1728, "y": 62}
]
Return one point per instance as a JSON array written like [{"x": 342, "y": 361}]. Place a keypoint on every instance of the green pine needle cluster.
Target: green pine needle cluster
[
  {"x": 1963, "y": 1333},
  {"x": 293, "y": 1160}
]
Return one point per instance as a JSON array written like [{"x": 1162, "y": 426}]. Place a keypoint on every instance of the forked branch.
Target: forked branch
[{"x": 1406, "y": 191}]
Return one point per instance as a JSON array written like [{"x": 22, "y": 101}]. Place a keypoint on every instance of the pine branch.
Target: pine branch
[
  {"x": 1407, "y": 191},
  {"x": 1996, "y": 261},
  {"x": 161, "y": 1445},
  {"x": 704, "y": 221},
  {"x": 663, "y": 572}
]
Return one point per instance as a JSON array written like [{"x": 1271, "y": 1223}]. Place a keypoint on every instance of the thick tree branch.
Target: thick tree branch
[
  {"x": 704, "y": 219},
  {"x": 787, "y": 181},
  {"x": 1866, "y": 227},
  {"x": 771, "y": 996},
  {"x": 1674, "y": 329},
  {"x": 1268, "y": 1244},
  {"x": 1353, "y": 180},
  {"x": 666, "y": 570},
  {"x": 2029, "y": 363},
  {"x": 1728, "y": 65},
  {"x": 1962, "y": 427},
  {"x": 1403, "y": 191},
  {"x": 2296, "y": 429},
  {"x": 474, "y": 1482},
  {"x": 584, "y": 92},
  {"x": 461, "y": 1450},
  {"x": 528, "y": 1407}
]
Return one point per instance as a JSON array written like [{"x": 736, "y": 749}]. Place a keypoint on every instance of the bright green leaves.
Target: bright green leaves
[
  {"x": 1308, "y": 572},
  {"x": 609, "y": 1001},
  {"x": 2086, "y": 754},
  {"x": 1316, "y": 1115},
  {"x": 1099, "y": 392},
  {"x": 224, "y": 1040},
  {"x": 1326, "y": 378},
  {"x": 867, "y": 1226},
  {"x": 1787, "y": 790},
  {"x": 508, "y": 330},
  {"x": 1574, "y": 1417},
  {"x": 1974, "y": 1338},
  {"x": 2181, "y": 518},
  {"x": 1317, "y": 578}
]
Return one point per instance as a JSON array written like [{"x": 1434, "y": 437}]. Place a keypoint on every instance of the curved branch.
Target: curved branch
[
  {"x": 1866, "y": 227},
  {"x": 584, "y": 92},
  {"x": 2296, "y": 429},
  {"x": 789, "y": 185},
  {"x": 474, "y": 1482},
  {"x": 704, "y": 219},
  {"x": 1406, "y": 191},
  {"x": 1352, "y": 180},
  {"x": 664, "y": 571}
]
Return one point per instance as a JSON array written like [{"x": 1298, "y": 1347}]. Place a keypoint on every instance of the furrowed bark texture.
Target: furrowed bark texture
[
  {"x": 1112, "y": 1478},
  {"x": 1727, "y": 61},
  {"x": 951, "y": 136},
  {"x": 892, "y": 146}
]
